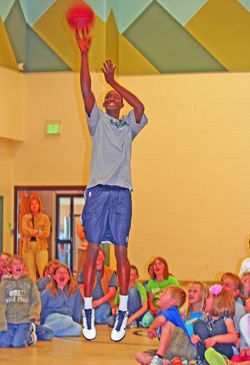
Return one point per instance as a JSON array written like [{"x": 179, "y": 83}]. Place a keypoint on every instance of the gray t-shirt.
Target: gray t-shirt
[{"x": 111, "y": 149}]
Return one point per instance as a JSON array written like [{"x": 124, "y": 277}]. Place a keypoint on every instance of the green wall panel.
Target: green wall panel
[
  {"x": 167, "y": 45},
  {"x": 40, "y": 57},
  {"x": 16, "y": 27}
]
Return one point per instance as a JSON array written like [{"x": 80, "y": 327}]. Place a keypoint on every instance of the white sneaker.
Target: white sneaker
[
  {"x": 32, "y": 335},
  {"x": 119, "y": 330},
  {"x": 156, "y": 361},
  {"x": 89, "y": 331}
]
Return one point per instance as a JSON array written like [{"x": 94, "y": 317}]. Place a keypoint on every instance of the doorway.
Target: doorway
[{"x": 63, "y": 205}]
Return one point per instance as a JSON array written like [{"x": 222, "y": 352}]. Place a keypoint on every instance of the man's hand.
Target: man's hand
[
  {"x": 83, "y": 39},
  {"x": 109, "y": 71}
]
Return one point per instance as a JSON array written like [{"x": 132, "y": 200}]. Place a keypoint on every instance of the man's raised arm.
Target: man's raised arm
[
  {"x": 83, "y": 39},
  {"x": 109, "y": 72}
]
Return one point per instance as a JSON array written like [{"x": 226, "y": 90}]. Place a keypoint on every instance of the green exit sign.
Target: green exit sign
[{"x": 53, "y": 128}]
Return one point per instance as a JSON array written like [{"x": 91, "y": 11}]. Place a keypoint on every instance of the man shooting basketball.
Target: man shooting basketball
[{"x": 107, "y": 211}]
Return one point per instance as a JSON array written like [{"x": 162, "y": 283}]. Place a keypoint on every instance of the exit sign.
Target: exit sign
[{"x": 53, "y": 128}]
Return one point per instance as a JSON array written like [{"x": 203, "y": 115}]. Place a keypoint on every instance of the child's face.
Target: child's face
[
  {"x": 247, "y": 305},
  {"x": 158, "y": 267},
  {"x": 61, "y": 277},
  {"x": 17, "y": 268},
  {"x": 246, "y": 283},
  {"x": 3, "y": 264},
  {"x": 208, "y": 303},
  {"x": 133, "y": 277},
  {"x": 165, "y": 300},
  {"x": 100, "y": 260},
  {"x": 228, "y": 284},
  {"x": 194, "y": 294}
]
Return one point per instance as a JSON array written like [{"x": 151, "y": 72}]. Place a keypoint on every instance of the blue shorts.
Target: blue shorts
[{"x": 107, "y": 214}]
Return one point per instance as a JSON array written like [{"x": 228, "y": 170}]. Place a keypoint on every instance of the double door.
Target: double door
[{"x": 68, "y": 215}]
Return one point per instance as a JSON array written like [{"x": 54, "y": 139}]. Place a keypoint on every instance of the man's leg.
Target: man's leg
[
  {"x": 123, "y": 273},
  {"x": 89, "y": 331}
]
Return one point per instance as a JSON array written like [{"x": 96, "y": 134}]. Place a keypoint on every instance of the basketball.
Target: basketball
[{"x": 80, "y": 16}]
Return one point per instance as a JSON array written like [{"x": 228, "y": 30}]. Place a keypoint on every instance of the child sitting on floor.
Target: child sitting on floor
[
  {"x": 172, "y": 333},
  {"x": 218, "y": 329},
  {"x": 197, "y": 294},
  {"x": 245, "y": 280},
  {"x": 137, "y": 301},
  {"x": 19, "y": 305},
  {"x": 62, "y": 304},
  {"x": 161, "y": 278},
  {"x": 245, "y": 331}
]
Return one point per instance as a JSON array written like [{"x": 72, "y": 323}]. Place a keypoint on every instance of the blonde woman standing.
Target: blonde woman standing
[{"x": 36, "y": 231}]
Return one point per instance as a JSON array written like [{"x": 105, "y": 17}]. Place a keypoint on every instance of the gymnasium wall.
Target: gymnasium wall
[
  {"x": 12, "y": 134},
  {"x": 190, "y": 164}
]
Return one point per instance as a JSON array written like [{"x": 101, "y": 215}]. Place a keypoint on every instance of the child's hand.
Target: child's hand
[
  {"x": 195, "y": 339},
  {"x": 209, "y": 342},
  {"x": 96, "y": 303},
  {"x": 245, "y": 352},
  {"x": 151, "y": 333},
  {"x": 114, "y": 310},
  {"x": 237, "y": 343}
]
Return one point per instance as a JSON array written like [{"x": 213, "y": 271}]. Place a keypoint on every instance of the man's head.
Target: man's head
[
  {"x": 113, "y": 103},
  {"x": 172, "y": 296}
]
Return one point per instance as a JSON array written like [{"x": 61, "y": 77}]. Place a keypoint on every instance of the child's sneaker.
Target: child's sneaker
[
  {"x": 89, "y": 331},
  {"x": 119, "y": 330},
  {"x": 32, "y": 339},
  {"x": 156, "y": 360}
]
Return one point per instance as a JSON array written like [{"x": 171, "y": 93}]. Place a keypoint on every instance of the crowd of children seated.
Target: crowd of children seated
[{"x": 213, "y": 328}]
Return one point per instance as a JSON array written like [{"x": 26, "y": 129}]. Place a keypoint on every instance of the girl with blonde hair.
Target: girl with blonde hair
[{"x": 62, "y": 304}]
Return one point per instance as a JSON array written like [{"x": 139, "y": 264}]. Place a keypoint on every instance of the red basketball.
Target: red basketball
[{"x": 80, "y": 16}]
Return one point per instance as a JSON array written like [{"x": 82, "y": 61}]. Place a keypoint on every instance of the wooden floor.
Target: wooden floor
[{"x": 77, "y": 351}]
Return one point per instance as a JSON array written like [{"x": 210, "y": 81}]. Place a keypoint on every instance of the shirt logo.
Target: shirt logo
[{"x": 120, "y": 123}]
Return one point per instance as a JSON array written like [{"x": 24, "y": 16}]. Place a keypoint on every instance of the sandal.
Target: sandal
[{"x": 215, "y": 358}]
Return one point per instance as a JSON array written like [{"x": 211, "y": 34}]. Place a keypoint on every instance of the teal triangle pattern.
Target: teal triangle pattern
[
  {"x": 5, "y": 6},
  {"x": 129, "y": 10},
  {"x": 16, "y": 28},
  {"x": 181, "y": 10},
  {"x": 245, "y": 3},
  {"x": 167, "y": 45},
  {"x": 125, "y": 11},
  {"x": 34, "y": 9},
  {"x": 99, "y": 7},
  {"x": 40, "y": 57}
]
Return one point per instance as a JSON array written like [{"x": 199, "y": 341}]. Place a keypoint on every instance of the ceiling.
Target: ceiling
[{"x": 141, "y": 36}]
